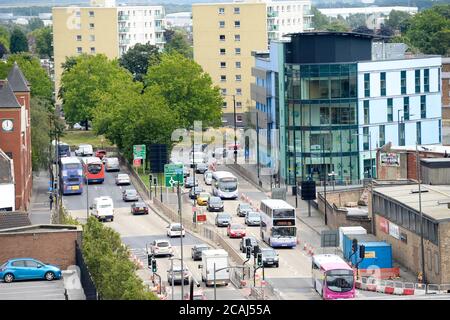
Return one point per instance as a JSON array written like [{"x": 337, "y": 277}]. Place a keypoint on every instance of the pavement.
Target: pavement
[{"x": 40, "y": 205}]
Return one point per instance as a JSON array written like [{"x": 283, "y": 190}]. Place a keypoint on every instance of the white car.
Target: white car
[
  {"x": 78, "y": 126},
  {"x": 207, "y": 177},
  {"x": 161, "y": 248},
  {"x": 175, "y": 230},
  {"x": 123, "y": 178}
]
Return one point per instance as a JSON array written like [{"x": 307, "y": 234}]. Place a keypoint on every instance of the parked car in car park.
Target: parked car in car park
[
  {"x": 175, "y": 230},
  {"x": 28, "y": 269},
  {"x": 270, "y": 257},
  {"x": 196, "y": 251},
  {"x": 252, "y": 218},
  {"x": 194, "y": 192},
  {"x": 243, "y": 208},
  {"x": 214, "y": 204},
  {"x": 177, "y": 276},
  {"x": 243, "y": 243},
  {"x": 139, "y": 208},
  {"x": 161, "y": 248},
  {"x": 235, "y": 230},
  {"x": 112, "y": 164},
  {"x": 202, "y": 198},
  {"x": 123, "y": 179},
  {"x": 130, "y": 195},
  {"x": 223, "y": 219}
]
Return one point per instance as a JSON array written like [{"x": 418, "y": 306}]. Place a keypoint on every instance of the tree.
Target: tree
[
  {"x": 43, "y": 39},
  {"x": 363, "y": 29},
  {"x": 18, "y": 41},
  {"x": 337, "y": 26},
  {"x": 357, "y": 20},
  {"x": 398, "y": 20},
  {"x": 319, "y": 20},
  {"x": 35, "y": 23},
  {"x": 385, "y": 31},
  {"x": 429, "y": 29},
  {"x": 4, "y": 37},
  {"x": 3, "y": 50},
  {"x": 41, "y": 85},
  {"x": 138, "y": 58},
  {"x": 90, "y": 76},
  {"x": 179, "y": 42},
  {"x": 188, "y": 90}
]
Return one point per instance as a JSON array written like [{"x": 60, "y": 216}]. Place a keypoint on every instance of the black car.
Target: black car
[
  {"x": 201, "y": 168},
  {"x": 195, "y": 192},
  {"x": 223, "y": 219},
  {"x": 270, "y": 257},
  {"x": 215, "y": 204},
  {"x": 189, "y": 183},
  {"x": 243, "y": 244},
  {"x": 139, "y": 208},
  {"x": 196, "y": 251},
  {"x": 243, "y": 208}
]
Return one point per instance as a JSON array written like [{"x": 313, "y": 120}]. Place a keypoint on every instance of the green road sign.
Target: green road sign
[
  {"x": 139, "y": 151},
  {"x": 173, "y": 173}
]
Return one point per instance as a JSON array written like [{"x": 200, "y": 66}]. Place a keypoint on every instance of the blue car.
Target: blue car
[{"x": 27, "y": 269}]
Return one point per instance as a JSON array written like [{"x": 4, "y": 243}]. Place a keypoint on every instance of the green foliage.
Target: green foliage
[
  {"x": 109, "y": 264},
  {"x": 188, "y": 90},
  {"x": 178, "y": 42},
  {"x": 41, "y": 85},
  {"x": 35, "y": 23},
  {"x": 398, "y": 20},
  {"x": 89, "y": 77},
  {"x": 357, "y": 20},
  {"x": 429, "y": 30},
  {"x": 4, "y": 37},
  {"x": 43, "y": 40},
  {"x": 18, "y": 41},
  {"x": 319, "y": 20},
  {"x": 338, "y": 26},
  {"x": 138, "y": 58},
  {"x": 40, "y": 128}
]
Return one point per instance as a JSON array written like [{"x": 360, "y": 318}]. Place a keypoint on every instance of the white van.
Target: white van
[
  {"x": 218, "y": 259},
  {"x": 84, "y": 150},
  {"x": 103, "y": 209}
]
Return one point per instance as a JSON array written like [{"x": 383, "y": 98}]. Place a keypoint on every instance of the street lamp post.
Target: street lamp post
[
  {"x": 87, "y": 198},
  {"x": 235, "y": 129},
  {"x": 422, "y": 249},
  {"x": 181, "y": 238}
]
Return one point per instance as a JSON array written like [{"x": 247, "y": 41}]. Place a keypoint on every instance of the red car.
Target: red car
[
  {"x": 236, "y": 230},
  {"x": 100, "y": 154}
]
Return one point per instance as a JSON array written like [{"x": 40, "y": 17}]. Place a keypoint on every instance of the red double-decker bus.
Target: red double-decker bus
[{"x": 94, "y": 170}]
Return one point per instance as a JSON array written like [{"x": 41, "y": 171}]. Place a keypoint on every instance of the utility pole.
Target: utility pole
[
  {"x": 257, "y": 146},
  {"x": 181, "y": 238},
  {"x": 325, "y": 178},
  {"x": 87, "y": 198},
  {"x": 235, "y": 129},
  {"x": 295, "y": 163},
  {"x": 422, "y": 249}
]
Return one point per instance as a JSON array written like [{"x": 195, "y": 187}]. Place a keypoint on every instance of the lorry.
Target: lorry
[
  {"x": 215, "y": 259},
  {"x": 103, "y": 208}
]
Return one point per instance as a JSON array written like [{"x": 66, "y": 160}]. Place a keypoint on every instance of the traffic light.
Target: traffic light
[
  {"x": 354, "y": 245},
  {"x": 155, "y": 182},
  {"x": 154, "y": 267},
  {"x": 248, "y": 252},
  {"x": 259, "y": 259},
  {"x": 150, "y": 178},
  {"x": 362, "y": 251},
  {"x": 256, "y": 251},
  {"x": 149, "y": 260}
]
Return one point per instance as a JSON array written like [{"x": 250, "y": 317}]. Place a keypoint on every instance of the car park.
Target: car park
[
  {"x": 175, "y": 230},
  {"x": 243, "y": 208},
  {"x": 235, "y": 230},
  {"x": 194, "y": 192},
  {"x": 243, "y": 244},
  {"x": 214, "y": 204},
  {"x": 189, "y": 183},
  {"x": 139, "y": 208},
  {"x": 28, "y": 269},
  {"x": 196, "y": 251},
  {"x": 201, "y": 167},
  {"x": 177, "y": 276},
  {"x": 161, "y": 248},
  {"x": 112, "y": 164},
  {"x": 270, "y": 257},
  {"x": 223, "y": 219},
  {"x": 207, "y": 177},
  {"x": 123, "y": 179},
  {"x": 130, "y": 195},
  {"x": 252, "y": 218},
  {"x": 202, "y": 198}
]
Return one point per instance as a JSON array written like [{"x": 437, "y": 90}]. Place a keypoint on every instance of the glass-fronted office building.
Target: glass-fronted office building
[{"x": 335, "y": 103}]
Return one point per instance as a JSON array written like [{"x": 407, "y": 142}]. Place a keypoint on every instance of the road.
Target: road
[{"x": 138, "y": 231}]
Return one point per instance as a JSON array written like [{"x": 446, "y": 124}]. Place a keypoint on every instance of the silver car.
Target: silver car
[
  {"x": 207, "y": 177},
  {"x": 112, "y": 164},
  {"x": 122, "y": 179},
  {"x": 252, "y": 218},
  {"x": 176, "y": 275}
]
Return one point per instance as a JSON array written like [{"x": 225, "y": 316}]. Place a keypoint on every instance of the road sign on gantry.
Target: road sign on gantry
[
  {"x": 139, "y": 151},
  {"x": 173, "y": 173}
]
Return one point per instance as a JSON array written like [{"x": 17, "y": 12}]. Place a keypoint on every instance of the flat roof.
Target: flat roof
[
  {"x": 430, "y": 199},
  {"x": 336, "y": 33}
]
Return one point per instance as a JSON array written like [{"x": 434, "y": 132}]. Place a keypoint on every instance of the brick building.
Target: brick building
[
  {"x": 397, "y": 221},
  {"x": 15, "y": 132}
]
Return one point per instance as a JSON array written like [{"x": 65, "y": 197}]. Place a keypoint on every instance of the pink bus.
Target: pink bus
[{"x": 332, "y": 277}]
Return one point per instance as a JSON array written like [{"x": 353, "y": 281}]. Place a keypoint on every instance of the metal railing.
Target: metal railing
[{"x": 87, "y": 283}]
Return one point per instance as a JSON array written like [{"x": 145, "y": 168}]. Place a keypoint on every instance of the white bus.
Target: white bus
[
  {"x": 278, "y": 227},
  {"x": 224, "y": 185}
]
